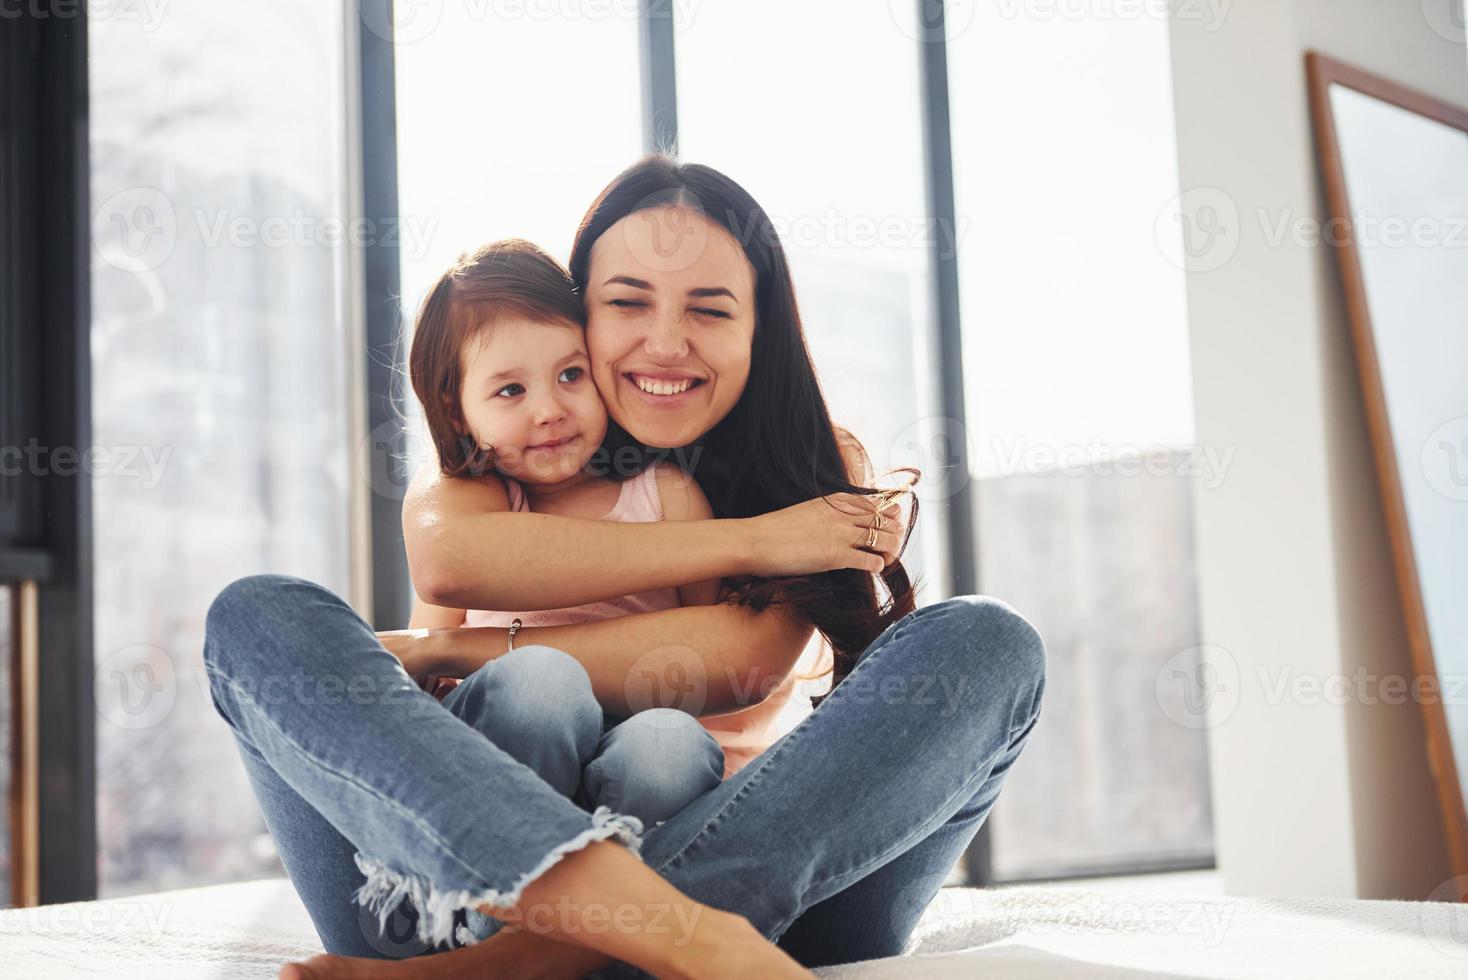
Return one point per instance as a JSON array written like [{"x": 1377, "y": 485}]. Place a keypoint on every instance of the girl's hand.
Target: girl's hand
[
  {"x": 439, "y": 687},
  {"x": 824, "y": 534},
  {"x": 419, "y": 656}
]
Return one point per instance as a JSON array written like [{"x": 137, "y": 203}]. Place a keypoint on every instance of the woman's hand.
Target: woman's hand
[{"x": 826, "y": 533}]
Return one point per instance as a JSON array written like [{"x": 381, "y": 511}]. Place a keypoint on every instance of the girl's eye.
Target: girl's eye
[
  {"x": 508, "y": 388},
  {"x": 706, "y": 311},
  {"x": 575, "y": 373}
]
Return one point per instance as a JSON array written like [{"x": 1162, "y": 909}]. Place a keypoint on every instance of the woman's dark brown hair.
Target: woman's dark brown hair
[
  {"x": 506, "y": 278},
  {"x": 777, "y": 446}
]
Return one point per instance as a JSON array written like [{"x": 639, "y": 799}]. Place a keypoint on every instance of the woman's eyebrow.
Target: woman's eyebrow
[
  {"x": 701, "y": 292},
  {"x": 713, "y": 291},
  {"x": 629, "y": 281}
]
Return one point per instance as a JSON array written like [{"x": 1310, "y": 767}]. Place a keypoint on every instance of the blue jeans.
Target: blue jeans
[
  {"x": 537, "y": 704},
  {"x": 831, "y": 842}
]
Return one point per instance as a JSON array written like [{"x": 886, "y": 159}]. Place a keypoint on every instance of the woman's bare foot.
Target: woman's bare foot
[
  {"x": 736, "y": 949},
  {"x": 509, "y": 953},
  {"x": 584, "y": 912},
  {"x": 725, "y": 946}
]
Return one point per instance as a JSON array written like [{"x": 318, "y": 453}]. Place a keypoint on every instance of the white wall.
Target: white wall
[{"x": 1295, "y": 572}]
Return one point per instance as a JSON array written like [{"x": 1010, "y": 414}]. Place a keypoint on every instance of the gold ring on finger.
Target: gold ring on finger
[{"x": 871, "y": 537}]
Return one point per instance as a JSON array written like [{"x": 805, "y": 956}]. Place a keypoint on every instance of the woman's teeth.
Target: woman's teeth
[{"x": 654, "y": 386}]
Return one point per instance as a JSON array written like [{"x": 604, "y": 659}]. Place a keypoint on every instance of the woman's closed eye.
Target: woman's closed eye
[{"x": 708, "y": 311}]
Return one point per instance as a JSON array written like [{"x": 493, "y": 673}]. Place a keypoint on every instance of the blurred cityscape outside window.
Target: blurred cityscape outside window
[
  {"x": 219, "y": 372},
  {"x": 1080, "y": 426}
]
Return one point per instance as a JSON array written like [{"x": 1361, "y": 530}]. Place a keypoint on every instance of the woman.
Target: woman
[{"x": 831, "y": 842}]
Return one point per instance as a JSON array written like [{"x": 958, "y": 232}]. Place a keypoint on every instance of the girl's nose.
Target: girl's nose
[{"x": 548, "y": 408}]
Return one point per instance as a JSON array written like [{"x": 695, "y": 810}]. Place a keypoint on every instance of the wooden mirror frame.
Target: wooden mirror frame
[{"x": 1323, "y": 72}]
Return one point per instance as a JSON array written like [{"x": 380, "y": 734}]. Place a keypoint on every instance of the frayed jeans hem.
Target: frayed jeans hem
[{"x": 386, "y": 887}]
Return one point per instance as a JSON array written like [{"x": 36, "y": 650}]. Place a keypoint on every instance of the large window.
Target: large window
[
  {"x": 1080, "y": 423},
  {"x": 219, "y": 394},
  {"x": 511, "y": 119},
  {"x": 827, "y": 137},
  {"x": 228, "y": 359}
]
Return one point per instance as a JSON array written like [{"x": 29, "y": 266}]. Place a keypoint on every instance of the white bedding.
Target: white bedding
[{"x": 250, "y": 929}]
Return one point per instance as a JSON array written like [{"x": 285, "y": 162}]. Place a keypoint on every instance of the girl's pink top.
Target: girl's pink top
[{"x": 742, "y": 734}]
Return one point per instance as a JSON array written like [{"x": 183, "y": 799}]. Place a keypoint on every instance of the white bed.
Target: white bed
[{"x": 250, "y": 929}]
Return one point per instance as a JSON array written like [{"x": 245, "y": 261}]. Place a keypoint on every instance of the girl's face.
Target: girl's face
[
  {"x": 669, "y": 323},
  {"x": 527, "y": 391}
]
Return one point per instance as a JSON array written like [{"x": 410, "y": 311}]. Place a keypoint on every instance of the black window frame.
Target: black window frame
[{"x": 45, "y": 402}]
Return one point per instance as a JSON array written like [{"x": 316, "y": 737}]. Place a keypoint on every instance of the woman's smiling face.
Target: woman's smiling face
[{"x": 669, "y": 323}]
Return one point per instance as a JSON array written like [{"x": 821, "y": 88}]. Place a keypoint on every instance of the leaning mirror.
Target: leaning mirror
[{"x": 1395, "y": 163}]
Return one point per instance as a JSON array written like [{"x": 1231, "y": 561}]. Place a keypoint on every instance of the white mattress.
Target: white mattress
[{"x": 250, "y": 929}]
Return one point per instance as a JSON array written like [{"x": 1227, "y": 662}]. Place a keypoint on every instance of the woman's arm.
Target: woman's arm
[
  {"x": 683, "y": 500},
  {"x": 702, "y": 659},
  {"x": 466, "y": 550}
]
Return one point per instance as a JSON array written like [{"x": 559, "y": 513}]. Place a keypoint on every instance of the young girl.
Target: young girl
[{"x": 499, "y": 363}]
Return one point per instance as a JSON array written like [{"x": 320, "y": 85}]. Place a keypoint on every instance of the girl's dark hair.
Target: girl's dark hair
[
  {"x": 512, "y": 277},
  {"x": 777, "y": 446}
]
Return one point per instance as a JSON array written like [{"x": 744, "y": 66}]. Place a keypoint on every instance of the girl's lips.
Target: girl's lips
[{"x": 558, "y": 444}]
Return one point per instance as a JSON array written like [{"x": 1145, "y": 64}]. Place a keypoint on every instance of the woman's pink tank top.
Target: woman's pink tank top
[{"x": 742, "y": 734}]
